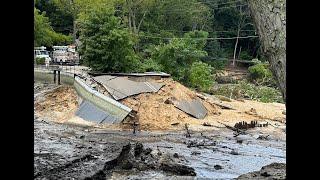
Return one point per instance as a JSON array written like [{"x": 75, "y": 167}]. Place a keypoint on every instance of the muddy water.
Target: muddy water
[{"x": 64, "y": 151}]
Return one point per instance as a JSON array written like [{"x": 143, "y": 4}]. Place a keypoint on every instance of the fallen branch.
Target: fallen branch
[
  {"x": 169, "y": 147},
  {"x": 233, "y": 129}
]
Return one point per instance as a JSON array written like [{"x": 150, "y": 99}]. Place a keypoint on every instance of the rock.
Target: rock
[
  {"x": 175, "y": 155},
  {"x": 217, "y": 167},
  {"x": 233, "y": 152},
  {"x": 178, "y": 169},
  {"x": 239, "y": 141},
  {"x": 138, "y": 149},
  {"x": 126, "y": 158},
  {"x": 271, "y": 171},
  {"x": 147, "y": 151},
  {"x": 263, "y": 137}
]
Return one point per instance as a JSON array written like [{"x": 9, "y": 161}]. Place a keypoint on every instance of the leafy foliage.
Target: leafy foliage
[
  {"x": 40, "y": 61},
  {"x": 201, "y": 76},
  {"x": 177, "y": 56},
  {"x": 261, "y": 74},
  {"x": 248, "y": 90},
  {"x": 106, "y": 45},
  {"x": 150, "y": 65},
  {"x": 44, "y": 34},
  {"x": 61, "y": 20}
]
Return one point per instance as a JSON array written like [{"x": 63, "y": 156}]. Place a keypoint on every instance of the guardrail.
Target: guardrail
[
  {"x": 64, "y": 68},
  {"x": 69, "y": 76}
]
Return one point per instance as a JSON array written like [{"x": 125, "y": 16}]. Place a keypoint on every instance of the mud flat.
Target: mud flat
[
  {"x": 85, "y": 151},
  {"x": 65, "y": 151}
]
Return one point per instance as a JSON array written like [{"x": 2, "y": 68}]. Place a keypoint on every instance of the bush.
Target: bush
[
  {"x": 248, "y": 90},
  {"x": 218, "y": 64},
  {"x": 245, "y": 55},
  {"x": 177, "y": 56},
  {"x": 40, "y": 61},
  {"x": 150, "y": 65},
  {"x": 200, "y": 76},
  {"x": 260, "y": 74}
]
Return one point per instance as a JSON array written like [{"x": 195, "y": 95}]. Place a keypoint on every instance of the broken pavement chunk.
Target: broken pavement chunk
[
  {"x": 122, "y": 87},
  {"x": 90, "y": 112},
  {"x": 194, "y": 108}
]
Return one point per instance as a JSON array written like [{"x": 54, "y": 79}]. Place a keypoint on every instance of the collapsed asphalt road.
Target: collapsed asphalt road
[{"x": 64, "y": 151}]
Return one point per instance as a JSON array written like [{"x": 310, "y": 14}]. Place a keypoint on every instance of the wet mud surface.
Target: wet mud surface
[{"x": 66, "y": 152}]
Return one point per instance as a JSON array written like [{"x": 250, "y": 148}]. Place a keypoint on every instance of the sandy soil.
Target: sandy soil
[
  {"x": 58, "y": 105},
  {"x": 155, "y": 114}
]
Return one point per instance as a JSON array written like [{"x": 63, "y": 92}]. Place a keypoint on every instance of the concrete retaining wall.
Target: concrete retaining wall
[
  {"x": 47, "y": 76},
  {"x": 107, "y": 104}
]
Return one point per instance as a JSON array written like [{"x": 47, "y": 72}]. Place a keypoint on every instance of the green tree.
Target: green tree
[
  {"x": 176, "y": 56},
  {"x": 61, "y": 20},
  {"x": 44, "y": 35},
  {"x": 106, "y": 45}
]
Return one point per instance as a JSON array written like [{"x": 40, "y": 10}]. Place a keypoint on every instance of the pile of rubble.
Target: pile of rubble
[
  {"x": 157, "y": 103},
  {"x": 160, "y": 103}
]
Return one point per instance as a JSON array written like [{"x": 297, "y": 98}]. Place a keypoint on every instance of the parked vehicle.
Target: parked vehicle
[
  {"x": 60, "y": 54},
  {"x": 65, "y": 55},
  {"x": 41, "y": 52}
]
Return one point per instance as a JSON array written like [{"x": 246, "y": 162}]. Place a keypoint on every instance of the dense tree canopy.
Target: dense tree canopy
[
  {"x": 44, "y": 35},
  {"x": 106, "y": 45}
]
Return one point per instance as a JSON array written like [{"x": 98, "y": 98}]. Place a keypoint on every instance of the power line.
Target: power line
[
  {"x": 218, "y": 38},
  {"x": 159, "y": 35},
  {"x": 188, "y": 10},
  {"x": 246, "y": 30}
]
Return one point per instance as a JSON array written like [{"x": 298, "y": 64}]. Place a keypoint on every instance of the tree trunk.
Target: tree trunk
[
  {"x": 270, "y": 20},
  {"x": 240, "y": 53},
  {"x": 144, "y": 14},
  {"x": 235, "y": 49}
]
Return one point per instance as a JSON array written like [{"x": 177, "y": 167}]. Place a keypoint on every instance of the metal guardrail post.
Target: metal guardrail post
[
  {"x": 58, "y": 77},
  {"x": 54, "y": 76}
]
